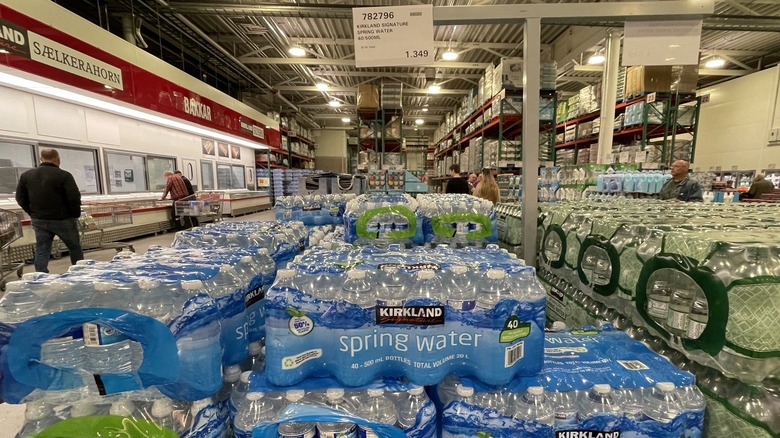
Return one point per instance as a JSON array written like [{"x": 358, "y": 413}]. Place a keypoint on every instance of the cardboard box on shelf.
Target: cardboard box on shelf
[
  {"x": 647, "y": 79},
  {"x": 685, "y": 78},
  {"x": 368, "y": 97}
]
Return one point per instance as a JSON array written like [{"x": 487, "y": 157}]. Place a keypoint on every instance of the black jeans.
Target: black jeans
[{"x": 45, "y": 230}]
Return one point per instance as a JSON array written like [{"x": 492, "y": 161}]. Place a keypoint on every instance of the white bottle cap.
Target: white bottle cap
[
  {"x": 231, "y": 236},
  {"x": 425, "y": 274},
  {"x": 192, "y": 284},
  {"x": 246, "y": 259},
  {"x": 86, "y": 262},
  {"x": 356, "y": 274},
  {"x": 334, "y": 393},
  {"x": 199, "y": 405},
  {"x": 459, "y": 269},
  {"x": 104, "y": 286},
  {"x": 464, "y": 391},
  {"x": 254, "y": 396},
  {"x": 14, "y": 286},
  {"x": 602, "y": 388},
  {"x": 294, "y": 395},
  {"x": 82, "y": 410},
  {"x": 417, "y": 390},
  {"x": 36, "y": 410},
  {"x": 225, "y": 268},
  {"x": 232, "y": 373},
  {"x": 245, "y": 376},
  {"x": 255, "y": 348},
  {"x": 535, "y": 390},
  {"x": 263, "y": 251},
  {"x": 375, "y": 392},
  {"x": 665, "y": 386},
  {"x": 122, "y": 408},
  {"x": 162, "y": 407},
  {"x": 148, "y": 283},
  {"x": 496, "y": 274},
  {"x": 285, "y": 273}
]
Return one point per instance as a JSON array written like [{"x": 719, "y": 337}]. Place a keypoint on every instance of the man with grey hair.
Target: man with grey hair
[
  {"x": 52, "y": 199},
  {"x": 680, "y": 187},
  {"x": 760, "y": 186}
]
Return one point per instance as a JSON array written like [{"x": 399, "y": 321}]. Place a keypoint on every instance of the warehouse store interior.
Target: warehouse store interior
[{"x": 390, "y": 218}]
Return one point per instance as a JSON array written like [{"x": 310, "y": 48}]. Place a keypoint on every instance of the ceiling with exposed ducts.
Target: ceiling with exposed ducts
[{"x": 241, "y": 47}]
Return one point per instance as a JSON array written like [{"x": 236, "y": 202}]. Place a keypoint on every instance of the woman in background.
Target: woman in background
[{"x": 488, "y": 187}]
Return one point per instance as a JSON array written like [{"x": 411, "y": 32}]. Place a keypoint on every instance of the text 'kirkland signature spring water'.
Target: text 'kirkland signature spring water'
[
  {"x": 593, "y": 385},
  {"x": 359, "y": 314},
  {"x": 322, "y": 407}
]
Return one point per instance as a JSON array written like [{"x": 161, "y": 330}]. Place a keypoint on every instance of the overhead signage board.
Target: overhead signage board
[
  {"x": 393, "y": 35},
  {"x": 674, "y": 42}
]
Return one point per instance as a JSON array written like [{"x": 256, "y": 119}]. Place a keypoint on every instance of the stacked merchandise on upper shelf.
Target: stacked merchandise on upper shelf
[
  {"x": 286, "y": 182},
  {"x": 699, "y": 283},
  {"x": 297, "y": 142}
]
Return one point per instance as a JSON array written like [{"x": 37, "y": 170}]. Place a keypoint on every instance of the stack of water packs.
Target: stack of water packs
[
  {"x": 422, "y": 313},
  {"x": 140, "y": 342},
  {"x": 705, "y": 278},
  {"x": 383, "y": 218},
  {"x": 312, "y": 209},
  {"x": 457, "y": 220}
]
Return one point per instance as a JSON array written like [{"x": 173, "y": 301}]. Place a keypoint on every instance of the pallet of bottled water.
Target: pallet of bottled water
[
  {"x": 594, "y": 384},
  {"x": 362, "y": 313},
  {"x": 283, "y": 239},
  {"x": 383, "y": 218},
  {"x": 326, "y": 236},
  {"x": 312, "y": 209},
  {"x": 457, "y": 219},
  {"x": 325, "y": 408}
]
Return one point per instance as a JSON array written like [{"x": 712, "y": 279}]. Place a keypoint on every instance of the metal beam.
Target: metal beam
[
  {"x": 702, "y": 71},
  {"x": 351, "y": 62},
  {"x": 353, "y": 90},
  {"x": 739, "y": 6},
  {"x": 583, "y": 79},
  {"x": 442, "y": 44},
  {"x": 573, "y": 13},
  {"x": 376, "y": 74},
  {"x": 531, "y": 84}
]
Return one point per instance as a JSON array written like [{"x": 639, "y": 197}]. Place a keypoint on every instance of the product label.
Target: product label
[
  {"x": 695, "y": 329},
  {"x": 677, "y": 320},
  {"x": 292, "y": 362},
  {"x": 514, "y": 330},
  {"x": 633, "y": 365},
  {"x": 255, "y": 295},
  {"x": 390, "y": 303},
  {"x": 411, "y": 315},
  {"x": 513, "y": 354},
  {"x": 657, "y": 308},
  {"x": 462, "y": 304},
  {"x": 556, "y": 307},
  {"x": 410, "y": 266},
  {"x": 586, "y": 434},
  {"x": 96, "y": 335},
  {"x": 299, "y": 324}
]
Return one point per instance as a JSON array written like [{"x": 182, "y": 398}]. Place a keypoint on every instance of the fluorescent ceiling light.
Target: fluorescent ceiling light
[
  {"x": 416, "y": 129},
  {"x": 322, "y": 86},
  {"x": 334, "y": 103},
  {"x": 449, "y": 55},
  {"x": 345, "y": 119},
  {"x": 425, "y": 110},
  {"x": 419, "y": 122},
  {"x": 296, "y": 51},
  {"x": 596, "y": 58},
  {"x": 70, "y": 96},
  {"x": 715, "y": 63},
  {"x": 433, "y": 89}
]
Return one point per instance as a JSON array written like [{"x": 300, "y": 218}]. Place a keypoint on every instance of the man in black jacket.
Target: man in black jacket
[
  {"x": 52, "y": 199},
  {"x": 457, "y": 184}
]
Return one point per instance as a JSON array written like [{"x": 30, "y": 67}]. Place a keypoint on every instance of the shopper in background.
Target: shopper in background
[
  {"x": 473, "y": 181},
  {"x": 187, "y": 182},
  {"x": 457, "y": 184},
  {"x": 760, "y": 186},
  {"x": 52, "y": 199},
  {"x": 488, "y": 187},
  {"x": 680, "y": 187},
  {"x": 175, "y": 186}
]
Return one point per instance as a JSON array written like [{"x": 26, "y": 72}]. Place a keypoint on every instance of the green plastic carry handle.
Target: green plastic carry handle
[
  {"x": 361, "y": 225},
  {"x": 441, "y": 227},
  {"x": 112, "y": 426}
]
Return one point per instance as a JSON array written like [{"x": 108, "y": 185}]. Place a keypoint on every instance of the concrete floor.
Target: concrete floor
[{"x": 12, "y": 416}]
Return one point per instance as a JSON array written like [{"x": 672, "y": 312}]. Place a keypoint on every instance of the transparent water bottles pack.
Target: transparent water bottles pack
[
  {"x": 383, "y": 218},
  {"x": 312, "y": 209},
  {"x": 457, "y": 219}
]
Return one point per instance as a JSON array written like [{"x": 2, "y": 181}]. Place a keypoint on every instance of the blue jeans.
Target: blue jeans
[{"x": 45, "y": 230}]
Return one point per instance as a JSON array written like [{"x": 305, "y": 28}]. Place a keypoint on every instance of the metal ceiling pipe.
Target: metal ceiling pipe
[{"x": 227, "y": 54}]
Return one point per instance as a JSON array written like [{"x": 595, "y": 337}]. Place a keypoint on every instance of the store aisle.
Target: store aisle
[{"x": 12, "y": 416}]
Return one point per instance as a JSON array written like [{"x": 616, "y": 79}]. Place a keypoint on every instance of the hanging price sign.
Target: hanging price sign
[{"x": 393, "y": 35}]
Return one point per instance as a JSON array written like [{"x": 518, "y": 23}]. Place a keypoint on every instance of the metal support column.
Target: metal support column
[
  {"x": 531, "y": 84},
  {"x": 609, "y": 95}
]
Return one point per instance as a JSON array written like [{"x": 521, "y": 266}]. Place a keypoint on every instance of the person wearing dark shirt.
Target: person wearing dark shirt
[
  {"x": 187, "y": 182},
  {"x": 759, "y": 187},
  {"x": 52, "y": 199},
  {"x": 680, "y": 187},
  {"x": 457, "y": 184}
]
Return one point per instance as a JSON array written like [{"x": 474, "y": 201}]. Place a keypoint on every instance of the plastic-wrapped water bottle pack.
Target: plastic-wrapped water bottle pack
[
  {"x": 383, "y": 218},
  {"x": 323, "y": 407},
  {"x": 457, "y": 219},
  {"x": 327, "y": 236},
  {"x": 422, "y": 313},
  {"x": 593, "y": 384},
  {"x": 312, "y": 209}
]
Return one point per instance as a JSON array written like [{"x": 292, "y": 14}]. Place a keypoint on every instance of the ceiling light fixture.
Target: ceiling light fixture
[
  {"x": 345, "y": 119},
  {"x": 434, "y": 89},
  {"x": 322, "y": 86},
  {"x": 449, "y": 55},
  {"x": 596, "y": 58},
  {"x": 419, "y": 122},
  {"x": 716, "y": 62},
  {"x": 425, "y": 110},
  {"x": 296, "y": 51},
  {"x": 334, "y": 103}
]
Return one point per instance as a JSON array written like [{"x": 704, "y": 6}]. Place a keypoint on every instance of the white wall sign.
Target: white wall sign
[
  {"x": 393, "y": 35},
  {"x": 64, "y": 58},
  {"x": 662, "y": 42}
]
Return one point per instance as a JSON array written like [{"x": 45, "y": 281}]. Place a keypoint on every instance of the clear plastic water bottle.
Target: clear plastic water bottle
[
  {"x": 124, "y": 407},
  {"x": 257, "y": 410},
  {"x": 67, "y": 352},
  {"x": 598, "y": 400},
  {"x": 229, "y": 381},
  {"x": 697, "y": 318},
  {"x": 661, "y": 404},
  {"x": 297, "y": 430},
  {"x": 428, "y": 286},
  {"x": 378, "y": 409},
  {"x": 493, "y": 289},
  {"x": 266, "y": 265},
  {"x": 254, "y": 361},
  {"x": 566, "y": 409},
  {"x": 464, "y": 394},
  {"x": 238, "y": 396},
  {"x": 357, "y": 290},
  {"x": 153, "y": 301},
  {"x": 324, "y": 286},
  {"x": 84, "y": 408},
  {"x": 410, "y": 405},
  {"x": 391, "y": 287},
  {"x": 19, "y": 303},
  {"x": 162, "y": 414},
  {"x": 679, "y": 309},
  {"x": 462, "y": 294},
  {"x": 226, "y": 289},
  {"x": 534, "y": 405},
  {"x": 658, "y": 300},
  {"x": 334, "y": 398},
  {"x": 38, "y": 415},
  {"x": 198, "y": 348},
  {"x": 107, "y": 350}
]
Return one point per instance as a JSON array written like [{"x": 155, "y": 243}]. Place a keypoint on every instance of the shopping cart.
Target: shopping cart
[
  {"x": 10, "y": 230},
  {"x": 202, "y": 206},
  {"x": 94, "y": 221}
]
